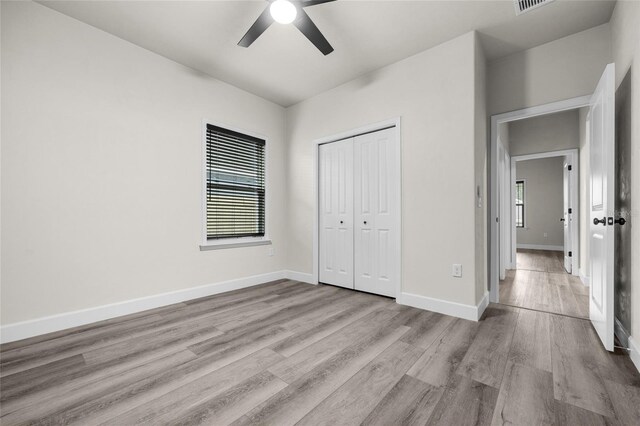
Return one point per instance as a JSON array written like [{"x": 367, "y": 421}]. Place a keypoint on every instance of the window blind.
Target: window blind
[{"x": 235, "y": 184}]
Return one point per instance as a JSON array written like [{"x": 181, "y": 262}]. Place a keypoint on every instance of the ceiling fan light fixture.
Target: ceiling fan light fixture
[{"x": 283, "y": 11}]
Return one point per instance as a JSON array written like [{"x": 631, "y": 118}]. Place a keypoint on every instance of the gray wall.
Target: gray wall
[
  {"x": 543, "y": 201},
  {"x": 625, "y": 26},
  {"x": 480, "y": 160},
  {"x": 436, "y": 94},
  {"x": 558, "y": 70},
  {"x": 552, "y": 132},
  {"x": 101, "y": 175},
  {"x": 624, "y": 184}
]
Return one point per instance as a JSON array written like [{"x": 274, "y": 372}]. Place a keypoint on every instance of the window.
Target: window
[
  {"x": 519, "y": 204},
  {"x": 235, "y": 185}
]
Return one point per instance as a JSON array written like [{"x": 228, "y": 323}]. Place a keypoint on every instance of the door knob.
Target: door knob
[
  {"x": 365, "y": 222},
  {"x": 620, "y": 221},
  {"x": 602, "y": 221},
  {"x": 562, "y": 220},
  {"x": 341, "y": 222}
]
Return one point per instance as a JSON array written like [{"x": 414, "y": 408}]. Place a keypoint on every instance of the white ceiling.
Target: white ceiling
[{"x": 284, "y": 67}]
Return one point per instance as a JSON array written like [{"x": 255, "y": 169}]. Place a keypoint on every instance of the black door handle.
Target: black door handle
[
  {"x": 620, "y": 221},
  {"x": 341, "y": 222},
  {"x": 562, "y": 220},
  {"x": 365, "y": 222},
  {"x": 602, "y": 221}
]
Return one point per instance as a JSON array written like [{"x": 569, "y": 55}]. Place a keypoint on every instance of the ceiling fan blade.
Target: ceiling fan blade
[
  {"x": 309, "y": 29},
  {"x": 262, "y": 23},
  {"x": 306, "y": 3}
]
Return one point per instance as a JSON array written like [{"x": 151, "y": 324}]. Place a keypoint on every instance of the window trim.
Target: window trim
[
  {"x": 223, "y": 243},
  {"x": 524, "y": 203}
]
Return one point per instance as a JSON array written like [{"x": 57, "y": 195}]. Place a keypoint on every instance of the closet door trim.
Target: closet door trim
[{"x": 395, "y": 123}]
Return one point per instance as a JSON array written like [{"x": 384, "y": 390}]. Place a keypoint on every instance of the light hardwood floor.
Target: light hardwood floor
[
  {"x": 289, "y": 353},
  {"x": 541, "y": 283}
]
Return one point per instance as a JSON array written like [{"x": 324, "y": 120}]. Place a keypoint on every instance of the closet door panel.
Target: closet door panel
[
  {"x": 376, "y": 254},
  {"x": 336, "y": 213},
  {"x": 382, "y": 255},
  {"x": 365, "y": 177},
  {"x": 386, "y": 214}
]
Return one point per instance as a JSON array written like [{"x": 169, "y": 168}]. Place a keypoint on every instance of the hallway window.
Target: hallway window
[{"x": 520, "y": 204}]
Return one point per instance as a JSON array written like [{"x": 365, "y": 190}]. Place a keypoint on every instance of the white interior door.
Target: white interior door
[
  {"x": 336, "y": 213},
  {"x": 377, "y": 256},
  {"x": 601, "y": 233},
  {"x": 566, "y": 216}
]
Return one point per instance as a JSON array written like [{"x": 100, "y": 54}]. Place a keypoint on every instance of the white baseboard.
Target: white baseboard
[
  {"x": 300, "y": 276},
  {"x": 483, "y": 305},
  {"x": 584, "y": 279},
  {"x": 634, "y": 352},
  {"x": 469, "y": 312},
  {"x": 540, "y": 247},
  {"x": 38, "y": 326}
]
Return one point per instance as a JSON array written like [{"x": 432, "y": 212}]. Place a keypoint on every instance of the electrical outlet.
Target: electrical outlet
[
  {"x": 457, "y": 270},
  {"x": 545, "y": 235},
  {"x": 272, "y": 251}
]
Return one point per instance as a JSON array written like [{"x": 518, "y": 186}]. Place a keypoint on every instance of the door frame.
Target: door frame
[
  {"x": 370, "y": 128},
  {"x": 574, "y": 184},
  {"x": 494, "y": 214},
  {"x": 504, "y": 229}
]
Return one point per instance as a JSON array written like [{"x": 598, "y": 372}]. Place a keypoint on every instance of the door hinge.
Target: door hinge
[
  {"x": 570, "y": 210},
  {"x": 570, "y": 167},
  {"x": 570, "y": 254}
]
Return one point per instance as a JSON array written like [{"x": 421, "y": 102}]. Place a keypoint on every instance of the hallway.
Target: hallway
[{"x": 541, "y": 283}]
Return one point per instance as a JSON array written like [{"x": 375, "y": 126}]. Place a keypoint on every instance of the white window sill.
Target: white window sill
[{"x": 234, "y": 244}]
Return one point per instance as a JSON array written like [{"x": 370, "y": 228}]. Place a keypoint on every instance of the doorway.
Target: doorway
[
  {"x": 601, "y": 208},
  {"x": 545, "y": 230}
]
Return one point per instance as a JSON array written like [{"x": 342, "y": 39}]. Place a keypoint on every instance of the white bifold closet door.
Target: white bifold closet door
[
  {"x": 359, "y": 213},
  {"x": 375, "y": 203},
  {"x": 336, "y": 213}
]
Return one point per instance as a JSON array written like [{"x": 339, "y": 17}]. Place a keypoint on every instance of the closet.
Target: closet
[{"x": 359, "y": 209}]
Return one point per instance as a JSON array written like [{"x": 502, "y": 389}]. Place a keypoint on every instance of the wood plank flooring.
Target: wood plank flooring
[
  {"x": 287, "y": 353},
  {"x": 540, "y": 260},
  {"x": 541, "y": 283}
]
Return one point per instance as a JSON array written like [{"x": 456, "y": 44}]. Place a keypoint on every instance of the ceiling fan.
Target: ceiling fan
[{"x": 287, "y": 12}]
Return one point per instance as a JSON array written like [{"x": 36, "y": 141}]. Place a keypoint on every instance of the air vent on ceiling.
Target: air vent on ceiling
[{"x": 523, "y": 6}]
